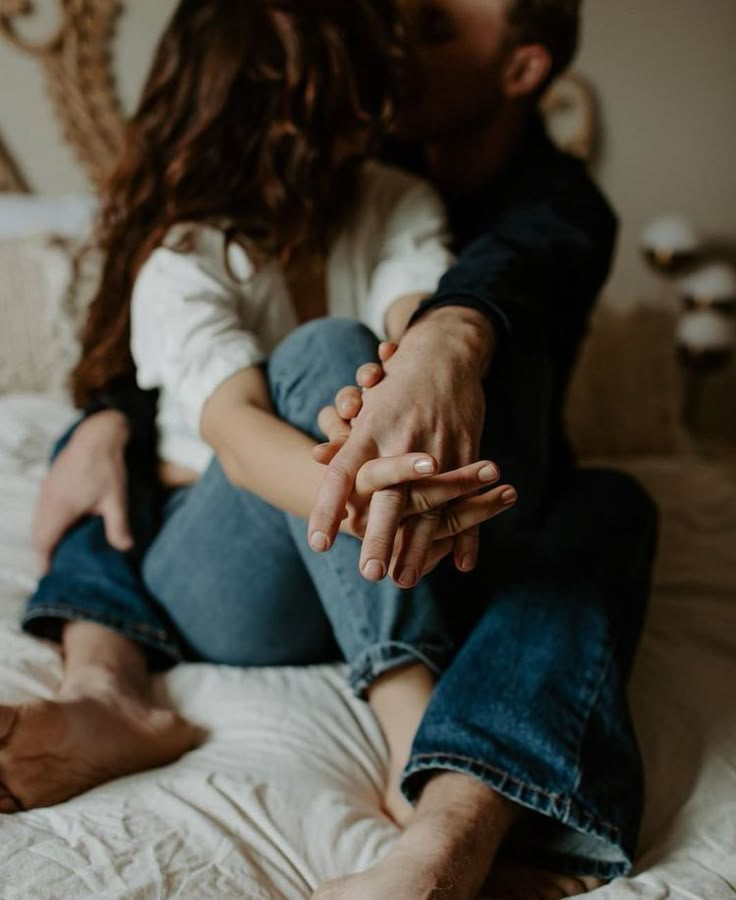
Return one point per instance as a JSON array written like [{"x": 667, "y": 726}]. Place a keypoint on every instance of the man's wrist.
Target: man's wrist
[{"x": 462, "y": 330}]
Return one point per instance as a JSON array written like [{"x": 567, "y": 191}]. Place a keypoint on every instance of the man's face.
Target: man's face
[{"x": 453, "y": 77}]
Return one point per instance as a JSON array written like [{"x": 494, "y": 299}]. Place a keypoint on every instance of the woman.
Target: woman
[{"x": 242, "y": 177}]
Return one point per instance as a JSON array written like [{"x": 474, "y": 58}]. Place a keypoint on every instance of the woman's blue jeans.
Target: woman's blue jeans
[{"x": 531, "y": 699}]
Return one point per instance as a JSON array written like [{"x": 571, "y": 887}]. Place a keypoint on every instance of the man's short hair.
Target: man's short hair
[{"x": 552, "y": 23}]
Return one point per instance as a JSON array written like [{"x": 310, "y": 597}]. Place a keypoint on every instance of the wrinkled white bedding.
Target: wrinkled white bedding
[{"x": 284, "y": 794}]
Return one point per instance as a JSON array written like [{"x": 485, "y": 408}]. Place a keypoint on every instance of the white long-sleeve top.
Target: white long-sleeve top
[{"x": 201, "y": 315}]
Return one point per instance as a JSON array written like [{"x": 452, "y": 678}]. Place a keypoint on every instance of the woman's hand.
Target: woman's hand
[
  {"x": 455, "y": 494},
  {"x": 334, "y": 421}
]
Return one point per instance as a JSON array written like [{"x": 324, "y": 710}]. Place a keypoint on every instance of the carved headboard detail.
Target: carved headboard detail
[
  {"x": 11, "y": 179},
  {"x": 77, "y": 64}
]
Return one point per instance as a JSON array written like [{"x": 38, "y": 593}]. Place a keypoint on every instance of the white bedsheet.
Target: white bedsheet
[{"x": 284, "y": 794}]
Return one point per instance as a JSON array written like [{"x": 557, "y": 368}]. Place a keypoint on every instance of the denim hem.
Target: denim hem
[
  {"x": 389, "y": 655},
  {"x": 563, "y": 808},
  {"x": 153, "y": 639}
]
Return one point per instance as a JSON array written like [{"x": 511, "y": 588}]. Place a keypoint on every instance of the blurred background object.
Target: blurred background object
[
  {"x": 670, "y": 244},
  {"x": 703, "y": 298}
]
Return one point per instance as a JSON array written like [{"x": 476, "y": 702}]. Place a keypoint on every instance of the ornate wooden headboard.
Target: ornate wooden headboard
[{"x": 77, "y": 65}]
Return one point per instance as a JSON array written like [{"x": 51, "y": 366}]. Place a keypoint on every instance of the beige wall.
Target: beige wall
[{"x": 665, "y": 72}]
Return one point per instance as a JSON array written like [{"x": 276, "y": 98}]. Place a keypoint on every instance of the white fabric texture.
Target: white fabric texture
[
  {"x": 39, "y": 316},
  {"x": 201, "y": 312},
  {"x": 285, "y": 792}
]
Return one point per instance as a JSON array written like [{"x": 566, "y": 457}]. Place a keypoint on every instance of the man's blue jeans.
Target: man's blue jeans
[{"x": 532, "y": 699}]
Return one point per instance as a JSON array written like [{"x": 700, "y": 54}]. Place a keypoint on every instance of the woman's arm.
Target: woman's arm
[
  {"x": 265, "y": 455},
  {"x": 258, "y": 451}
]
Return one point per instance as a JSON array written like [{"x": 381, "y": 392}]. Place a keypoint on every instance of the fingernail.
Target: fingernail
[
  {"x": 319, "y": 541},
  {"x": 508, "y": 497},
  {"x": 424, "y": 466},
  {"x": 408, "y": 577},
  {"x": 467, "y": 563},
  {"x": 488, "y": 473},
  {"x": 374, "y": 570}
]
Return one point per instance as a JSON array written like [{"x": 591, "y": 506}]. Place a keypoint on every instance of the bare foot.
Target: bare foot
[
  {"x": 510, "y": 882},
  {"x": 395, "y": 805},
  {"x": 404, "y": 876},
  {"x": 444, "y": 854},
  {"x": 399, "y": 699},
  {"x": 53, "y": 750}
]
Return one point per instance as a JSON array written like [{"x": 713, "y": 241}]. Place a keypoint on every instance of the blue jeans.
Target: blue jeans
[{"x": 533, "y": 701}]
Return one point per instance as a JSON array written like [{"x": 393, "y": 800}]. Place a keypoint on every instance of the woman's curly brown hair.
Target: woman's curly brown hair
[{"x": 245, "y": 106}]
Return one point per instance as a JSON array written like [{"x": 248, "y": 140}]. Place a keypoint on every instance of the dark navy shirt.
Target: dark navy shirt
[{"x": 535, "y": 246}]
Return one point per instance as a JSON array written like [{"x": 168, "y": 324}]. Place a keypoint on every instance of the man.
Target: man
[
  {"x": 535, "y": 246},
  {"x": 531, "y": 714}
]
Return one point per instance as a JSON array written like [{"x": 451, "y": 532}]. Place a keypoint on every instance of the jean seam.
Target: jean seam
[
  {"x": 594, "y": 694},
  {"x": 363, "y": 671},
  {"x": 72, "y": 612},
  {"x": 345, "y": 585},
  {"x": 376, "y": 649},
  {"x": 564, "y": 802}
]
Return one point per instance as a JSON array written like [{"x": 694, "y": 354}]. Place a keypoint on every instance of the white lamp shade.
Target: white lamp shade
[
  {"x": 710, "y": 284},
  {"x": 706, "y": 331},
  {"x": 670, "y": 234}
]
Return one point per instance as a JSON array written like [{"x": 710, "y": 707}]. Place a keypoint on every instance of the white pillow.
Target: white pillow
[
  {"x": 40, "y": 314},
  {"x": 68, "y": 216}
]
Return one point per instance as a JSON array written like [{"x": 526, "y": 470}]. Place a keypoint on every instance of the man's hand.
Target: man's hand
[
  {"x": 431, "y": 400},
  {"x": 88, "y": 477}
]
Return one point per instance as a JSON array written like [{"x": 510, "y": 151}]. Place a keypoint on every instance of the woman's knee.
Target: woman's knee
[
  {"x": 239, "y": 622},
  {"x": 313, "y": 362}
]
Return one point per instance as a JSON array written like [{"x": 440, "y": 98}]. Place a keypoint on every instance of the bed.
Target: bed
[{"x": 285, "y": 792}]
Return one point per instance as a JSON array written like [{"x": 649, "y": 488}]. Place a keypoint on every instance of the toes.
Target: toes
[
  {"x": 175, "y": 731},
  {"x": 518, "y": 883},
  {"x": 8, "y": 803}
]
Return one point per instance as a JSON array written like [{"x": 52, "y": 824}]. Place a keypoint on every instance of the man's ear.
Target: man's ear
[{"x": 526, "y": 71}]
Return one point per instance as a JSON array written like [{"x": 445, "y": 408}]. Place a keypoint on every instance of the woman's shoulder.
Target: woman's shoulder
[
  {"x": 208, "y": 247},
  {"x": 385, "y": 186}
]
